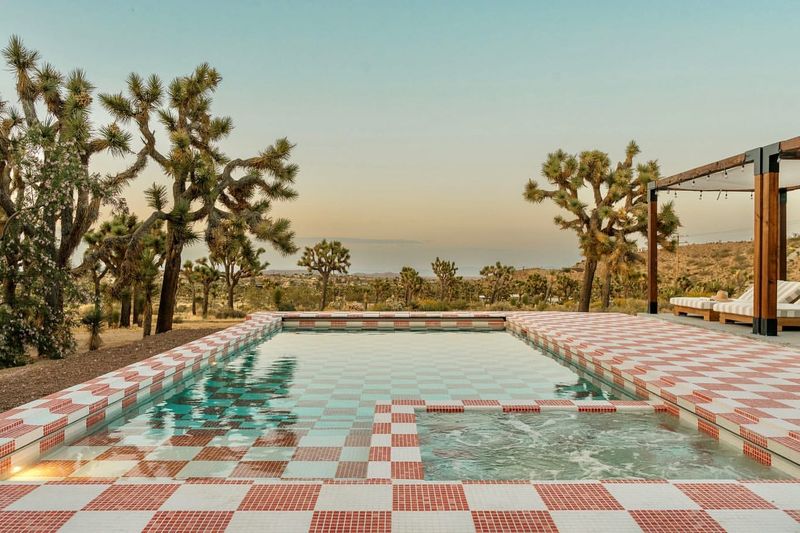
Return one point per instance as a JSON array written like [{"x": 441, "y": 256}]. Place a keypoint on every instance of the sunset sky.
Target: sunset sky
[{"x": 418, "y": 123}]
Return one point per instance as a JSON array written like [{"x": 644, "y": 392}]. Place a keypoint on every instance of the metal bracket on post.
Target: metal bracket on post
[{"x": 652, "y": 249}]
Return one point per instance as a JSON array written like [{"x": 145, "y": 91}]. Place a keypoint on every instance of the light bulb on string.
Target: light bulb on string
[{"x": 701, "y": 195}]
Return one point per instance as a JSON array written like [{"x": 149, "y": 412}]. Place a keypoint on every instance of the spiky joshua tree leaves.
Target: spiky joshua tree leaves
[
  {"x": 326, "y": 258},
  {"x": 498, "y": 277},
  {"x": 616, "y": 207},
  {"x": 410, "y": 283},
  {"x": 445, "y": 272},
  {"x": 206, "y": 184}
]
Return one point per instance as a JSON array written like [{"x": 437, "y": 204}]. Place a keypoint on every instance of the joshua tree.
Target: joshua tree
[
  {"x": 380, "y": 288},
  {"x": 207, "y": 275},
  {"x": 326, "y": 258},
  {"x": 618, "y": 209},
  {"x": 537, "y": 286},
  {"x": 564, "y": 286},
  {"x": 191, "y": 278},
  {"x": 57, "y": 108},
  {"x": 410, "y": 283},
  {"x": 230, "y": 248},
  {"x": 445, "y": 272},
  {"x": 499, "y": 277},
  {"x": 204, "y": 186}
]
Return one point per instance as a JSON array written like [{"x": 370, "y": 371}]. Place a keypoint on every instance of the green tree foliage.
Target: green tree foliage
[
  {"x": 380, "y": 288},
  {"x": 536, "y": 287},
  {"x": 190, "y": 277},
  {"x": 410, "y": 283},
  {"x": 206, "y": 184},
  {"x": 498, "y": 278},
  {"x": 55, "y": 110},
  {"x": 207, "y": 276},
  {"x": 445, "y": 272},
  {"x": 230, "y": 248},
  {"x": 325, "y": 258},
  {"x": 617, "y": 206},
  {"x": 564, "y": 287}
]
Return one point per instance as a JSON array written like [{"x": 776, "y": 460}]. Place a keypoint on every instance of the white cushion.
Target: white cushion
[
  {"x": 694, "y": 303},
  {"x": 746, "y": 309}
]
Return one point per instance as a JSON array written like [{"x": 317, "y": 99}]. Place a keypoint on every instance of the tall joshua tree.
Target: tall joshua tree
[
  {"x": 191, "y": 278},
  {"x": 445, "y": 272},
  {"x": 618, "y": 205},
  {"x": 410, "y": 283},
  {"x": 499, "y": 277},
  {"x": 206, "y": 184},
  {"x": 59, "y": 106},
  {"x": 326, "y": 258},
  {"x": 207, "y": 275}
]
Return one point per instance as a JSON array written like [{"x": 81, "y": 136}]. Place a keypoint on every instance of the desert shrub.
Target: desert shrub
[{"x": 230, "y": 313}]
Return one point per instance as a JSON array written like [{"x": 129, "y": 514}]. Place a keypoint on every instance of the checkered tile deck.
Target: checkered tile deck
[{"x": 728, "y": 383}]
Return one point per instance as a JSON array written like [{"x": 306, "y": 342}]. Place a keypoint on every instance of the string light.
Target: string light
[
  {"x": 726, "y": 195},
  {"x": 701, "y": 195}
]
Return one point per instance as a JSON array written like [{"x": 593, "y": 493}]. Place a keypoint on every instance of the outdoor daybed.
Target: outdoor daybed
[{"x": 710, "y": 309}]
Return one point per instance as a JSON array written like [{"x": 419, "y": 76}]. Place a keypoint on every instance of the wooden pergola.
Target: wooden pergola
[{"x": 769, "y": 236}]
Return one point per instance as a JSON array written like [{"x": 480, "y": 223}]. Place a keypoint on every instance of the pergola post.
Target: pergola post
[
  {"x": 782, "y": 252},
  {"x": 766, "y": 239},
  {"x": 652, "y": 249}
]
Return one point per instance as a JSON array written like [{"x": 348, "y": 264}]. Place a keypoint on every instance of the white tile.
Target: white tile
[
  {"x": 380, "y": 439},
  {"x": 763, "y": 521},
  {"x": 379, "y": 470},
  {"x": 355, "y": 498},
  {"x": 104, "y": 469},
  {"x": 173, "y": 453},
  {"x": 503, "y": 497},
  {"x": 270, "y": 522},
  {"x": 782, "y": 495},
  {"x": 207, "y": 469},
  {"x": 57, "y": 498},
  {"x": 404, "y": 428},
  {"x": 354, "y": 453},
  {"x": 406, "y": 453},
  {"x": 310, "y": 469},
  {"x": 108, "y": 521},
  {"x": 268, "y": 453},
  {"x": 595, "y": 521},
  {"x": 206, "y": 497},
  {"x": 650, "y": 496},
  {"x": 432, "y": 522}
]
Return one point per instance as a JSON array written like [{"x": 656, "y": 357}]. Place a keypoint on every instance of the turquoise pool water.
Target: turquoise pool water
[
  {"x": 305, "y": 401},
  {"x": 567, "y": 445}
]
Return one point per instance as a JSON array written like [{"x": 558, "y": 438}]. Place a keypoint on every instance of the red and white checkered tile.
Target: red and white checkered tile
[{"x": 402, "y": 506}]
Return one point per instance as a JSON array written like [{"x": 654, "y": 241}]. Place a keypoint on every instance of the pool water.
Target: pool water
[
  {"x": 316, "y": 390},
  {"x": 569, "y": 445}
]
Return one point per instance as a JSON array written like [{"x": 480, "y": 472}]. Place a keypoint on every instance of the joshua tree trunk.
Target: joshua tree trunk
[
  {"x": 324, "y": 292},
  {"x": 206, "y": 291},
  {"x": 605, "y": 296},
  {"x": 169, "y": 286},
  {"x": 138, "y": 304},
  {"x": 147, "y": 322},
  {"x": 588, "y": 281},
  {"x": 194, "y": 301},
  {"x": 230, "y": 287},
  {"x": 125, "y": 311}
]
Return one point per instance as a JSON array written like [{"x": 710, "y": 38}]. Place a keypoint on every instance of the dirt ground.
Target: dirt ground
[{"x": 120, "y": 347}]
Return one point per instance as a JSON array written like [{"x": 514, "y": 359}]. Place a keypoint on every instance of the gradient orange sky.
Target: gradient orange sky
[{"x": 418, "y": 124}]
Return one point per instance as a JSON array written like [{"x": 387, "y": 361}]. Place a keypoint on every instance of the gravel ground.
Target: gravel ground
[{"x": 26, "y": 383}]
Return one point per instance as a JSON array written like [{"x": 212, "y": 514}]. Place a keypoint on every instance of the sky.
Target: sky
[{"x": 418, "y": 124}]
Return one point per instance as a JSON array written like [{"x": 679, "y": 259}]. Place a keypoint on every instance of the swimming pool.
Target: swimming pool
[
  {"x": 569, "y": 445},
  {"x": 301, "y": 404}
]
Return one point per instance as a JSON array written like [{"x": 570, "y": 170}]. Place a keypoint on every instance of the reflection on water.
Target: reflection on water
[{"x": 569, "y": 445}]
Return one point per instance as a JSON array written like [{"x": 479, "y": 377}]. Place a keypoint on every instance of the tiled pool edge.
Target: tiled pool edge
[
  {"x": 33, "y": 429},
  {"x": 781, "y": 446}
]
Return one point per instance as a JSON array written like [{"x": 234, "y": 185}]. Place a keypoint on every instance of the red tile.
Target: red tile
[
  {"x": 407, "y": 470},
  {"x": 280, "y": 498},
  {"x": 52, "y": 469},
  {"x": 99, "y": 439},
  {"x": 189, "y": 521},
  {"x": 405, "y": 440},
  {"x": 138, "y": 497},
  {"x": 672, "y": 521},
  {"x": 352, "y": 470},
  {"x": 125, "y": 453},
  {"x": 351, "y": 522},
  {"x": 317, "y": 453},
  {"x": 156, "y": 469},
  {"x": 577, "y": 497},
  {"x": 358, "y": 438},
  {"x": 221, "y": 453},
  {"x": 513, "y": 521},
  {"x": 11, "y": 493},
  {"x": 258, "y": 469},
  {"x": 39, "y": 521},
  {"x": 429, "y": 497},
  {"x": 794, "y": 514},
  {"x": 190, "y": 440},
  {"x": 404, "y": 418},
  {"x": 380, "y": 453},
  {"x": 723, "y": 496}
]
